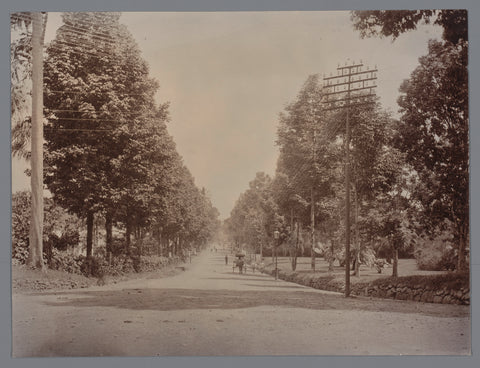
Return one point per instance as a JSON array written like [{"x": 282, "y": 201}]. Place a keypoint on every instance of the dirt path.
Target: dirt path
[{"x": 208, "y": 310}]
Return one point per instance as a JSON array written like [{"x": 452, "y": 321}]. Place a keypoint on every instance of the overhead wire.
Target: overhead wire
[
  {"x": 78, "y": 129},
  {"x": 95, "y": 93},
  {"x": 97, "y": 53}
]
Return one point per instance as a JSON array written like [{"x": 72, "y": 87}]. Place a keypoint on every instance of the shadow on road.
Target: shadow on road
[
  {"x": 183, "y": 299},
  {"x": 239, "y": 277},
  {"x": 276, "y": 286}
]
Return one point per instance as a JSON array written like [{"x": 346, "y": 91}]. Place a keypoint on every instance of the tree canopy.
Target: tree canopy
[
  {"x": 433, "y": 129},
  {"x": 108, "y": 150},
  {"x": 392, "y": 23},
  {"x": 433, "y": 132}
]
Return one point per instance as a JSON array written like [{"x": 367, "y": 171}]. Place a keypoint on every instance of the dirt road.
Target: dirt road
[{"x": 208, "y": 310}]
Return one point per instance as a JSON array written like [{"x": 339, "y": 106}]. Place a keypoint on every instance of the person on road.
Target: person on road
[
  {"x": 226, "y": 259},
  {"x": 240, "y": 265}
]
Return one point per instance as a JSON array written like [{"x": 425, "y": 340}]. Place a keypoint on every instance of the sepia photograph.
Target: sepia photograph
[{"x": 240, "y": 183}]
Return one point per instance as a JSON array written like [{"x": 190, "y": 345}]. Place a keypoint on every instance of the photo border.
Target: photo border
[{"x": 8, "y": 6}]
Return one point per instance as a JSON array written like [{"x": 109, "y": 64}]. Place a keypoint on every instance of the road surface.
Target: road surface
[{"x": 208, "y": 311}]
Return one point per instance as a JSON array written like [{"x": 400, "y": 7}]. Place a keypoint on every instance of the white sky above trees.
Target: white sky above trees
[{"x": 227, "y": 76}]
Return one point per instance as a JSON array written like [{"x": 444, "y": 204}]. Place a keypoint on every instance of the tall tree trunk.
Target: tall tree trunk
[
  {"x": 462, "y": 245},
  {"x": 395, "y": 262},
  {"x": 291, "y": 219},
  {"x": 331, "y": 259},
  {"x": 312, "y": 235},
  {"x": 128, "y": 233},
  {"x": 109, "y": 237},
  {"x": 159, "y": 243},
  {"x": 95, "y": 233},
  {"x": 139, "y": 241},
  {"x": 90, "y": 219},
  {"x": 357, "y": 236},
  {"x": 297, "y": 240},
  {"x": 35, "y": 256}
]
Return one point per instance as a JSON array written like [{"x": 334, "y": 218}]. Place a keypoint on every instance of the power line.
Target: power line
[
  {"x": 106, "y": 37},
  {"x": 78, "y": 129},
  {"x": 96, "y": 53},
  {"x": 87, "y": 119},
  {"x": 95, "y": 93},
  {"x": 97, "y": 32}
]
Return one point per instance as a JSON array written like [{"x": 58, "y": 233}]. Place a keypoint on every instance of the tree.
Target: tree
[
  {"x": 374, "y": 165},
  {"x": 395, "y": 22},
  {"x": 253, "y": 219},
  {"x": 97, "y": 88},
  {"x": 433, "y": 132},
  {"x": 306, "y": 156}
]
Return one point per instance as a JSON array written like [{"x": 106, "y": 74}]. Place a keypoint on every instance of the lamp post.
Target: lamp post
[{"x": 276, "y": 235}]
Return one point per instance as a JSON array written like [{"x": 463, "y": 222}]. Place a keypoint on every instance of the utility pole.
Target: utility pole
[
  {"x": 349, "y": 88},
  {"x": 312, "y": 204},
  {"x": 312, "y": 188},
  {"x": 35, "y": 258}
]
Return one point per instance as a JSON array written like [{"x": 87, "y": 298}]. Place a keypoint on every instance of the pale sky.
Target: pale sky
[{"x": 227, "y": 76}]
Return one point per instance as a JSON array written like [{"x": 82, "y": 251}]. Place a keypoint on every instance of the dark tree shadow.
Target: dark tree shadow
[{"x": 184, "y": 299}]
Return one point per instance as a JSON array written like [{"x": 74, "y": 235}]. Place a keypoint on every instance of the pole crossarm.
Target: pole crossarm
[
  {"x": 354, "y": 89},
  {"x": 350, "y": 105},
  {"x": 330, "y": 85},
  {"x": 351, "y": 74},
  {"x": 353, "y": 98}
]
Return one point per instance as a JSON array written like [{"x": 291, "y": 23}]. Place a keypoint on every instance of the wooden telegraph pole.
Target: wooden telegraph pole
[{"x": 352, "y": 86}]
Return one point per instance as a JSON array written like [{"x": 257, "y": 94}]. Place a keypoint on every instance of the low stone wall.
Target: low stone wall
[
  {"x": 392, "y": 290},
  {"x": 419, "y": 294}
]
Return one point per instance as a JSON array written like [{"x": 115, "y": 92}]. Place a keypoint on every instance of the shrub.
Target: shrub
[
  {"x": 436, "y": 254},
  {"x": 69, "y": 238},
  {"x": 93, "y": 266},
  {"x": 120, "y": 265},
  {"x": 64, "y": 261},
  {"x": 20, "y": 226},
  {"x": 60, "y": 229},
  {"x": 153, "y": 263},
  {"x": 20, "y": 253}
]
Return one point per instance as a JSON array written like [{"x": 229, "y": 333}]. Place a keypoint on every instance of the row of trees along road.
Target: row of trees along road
[
  {"x": 410, "y": 176},
  {"x": 107, "y": 149}
]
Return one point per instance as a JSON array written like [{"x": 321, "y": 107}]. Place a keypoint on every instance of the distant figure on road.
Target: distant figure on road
[
  {"x": 226, "y": 259},
  {"x": 240, "y": 265}
]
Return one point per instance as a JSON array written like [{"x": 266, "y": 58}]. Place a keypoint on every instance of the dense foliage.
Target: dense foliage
[
  {"x": 61, "y": 229},
  {"x": 410, "y": 177},
  {"x": 109, "y": 158},
  {"x": 433, "y": 130}
]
